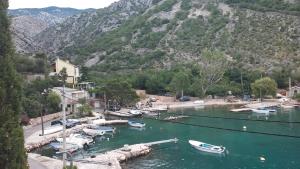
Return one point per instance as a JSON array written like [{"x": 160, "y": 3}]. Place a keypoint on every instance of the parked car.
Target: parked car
[
  {"x": 184, "y": 98},
  {"x": 69, "y": 123}
]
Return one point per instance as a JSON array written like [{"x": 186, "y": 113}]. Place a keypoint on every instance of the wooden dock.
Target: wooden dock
[{"x": 175, "y": 140}]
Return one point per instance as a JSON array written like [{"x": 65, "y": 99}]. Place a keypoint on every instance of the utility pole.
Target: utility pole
[
  {"x": 242, "y": 83},
  {"x": 260, "y": 89},
  {"x": 45, "y": 94},
  {"x": 64, "y": 128},
  {"x": 42, "y": 120},
  {"x": 290, "y": 87},
  {"x": 63, "y": 75}
]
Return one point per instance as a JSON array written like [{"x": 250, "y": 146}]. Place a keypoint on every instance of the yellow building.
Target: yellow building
[{"x": 72, "y": 71}]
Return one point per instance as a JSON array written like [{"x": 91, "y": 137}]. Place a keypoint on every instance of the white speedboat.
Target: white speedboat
[
  {"x": 264, "y": 111},
  {"x": 135, "y": 112},
  {"x": 93, "y": 132},
  {"x": 136, "y": 124},
  {"x": 53, "y": 129},
  {"x": 77, "y": 139},
  {"x": 207, "y": 147}
]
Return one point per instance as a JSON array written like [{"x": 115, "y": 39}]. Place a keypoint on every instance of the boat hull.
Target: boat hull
[
  {"x": 135, "y": 124},
  {"x": 210, "y": 149}
]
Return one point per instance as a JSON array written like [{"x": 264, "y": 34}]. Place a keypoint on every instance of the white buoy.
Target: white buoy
[
  {"x": 262, "y": 158},
  {"x": 244, "y": 128},
  {"x": 107, "y": 138}
]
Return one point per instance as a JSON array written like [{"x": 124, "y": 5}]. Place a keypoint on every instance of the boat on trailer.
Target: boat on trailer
[
  {"x": 207, "y": 147},
  {"x": 136, "y": 124}
]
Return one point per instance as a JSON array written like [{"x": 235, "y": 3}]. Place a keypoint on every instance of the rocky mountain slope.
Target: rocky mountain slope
[
  {"x": 142, "y": 34},
  {"x": 258, "y": 36},
  {"x": 80, "y": 30},
  {"x": 27, "y": 23}
]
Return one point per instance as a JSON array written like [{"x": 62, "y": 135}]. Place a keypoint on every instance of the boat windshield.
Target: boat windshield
[{"x": 206, "y": 145}]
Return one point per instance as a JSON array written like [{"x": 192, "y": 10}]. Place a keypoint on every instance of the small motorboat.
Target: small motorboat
[
  {"x": 135, "y": 112},
  {"x": 264, "y": 110},
  {"x": 136, "y": 124},
  {"x": 93, "y": 132},
  {"x": 207, "y": 147},
  {"x": 77, "y": 139}
]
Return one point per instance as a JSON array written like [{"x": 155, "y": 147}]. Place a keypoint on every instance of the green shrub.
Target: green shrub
[{"x": 69, "y": 167}]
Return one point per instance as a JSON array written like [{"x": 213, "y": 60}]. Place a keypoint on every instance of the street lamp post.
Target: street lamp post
[{"x": 44, "y": 93}]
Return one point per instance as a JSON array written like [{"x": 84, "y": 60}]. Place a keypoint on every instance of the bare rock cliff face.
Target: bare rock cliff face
[
  {"x": 27, "y": 23},
  {"x": 79, "y": 30}
]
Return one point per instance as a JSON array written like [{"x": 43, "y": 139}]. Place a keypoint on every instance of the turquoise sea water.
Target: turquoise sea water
[{"x": 244, "y": 149}]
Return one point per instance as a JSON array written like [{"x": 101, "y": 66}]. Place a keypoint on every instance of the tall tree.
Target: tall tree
[
  {"x": 212, "y": 68},
  {"x": 264, "y": 86},
  {"x": 180, "y": 82},
  {"x": 12, "y": 152}
]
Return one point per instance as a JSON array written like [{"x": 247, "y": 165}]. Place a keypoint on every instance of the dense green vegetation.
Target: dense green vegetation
[
  {"x": 117, "y": 90},
  {"x": 263, "y": 87},
  {"x": 35, "y": 64},
  {"x": 36, "y": 99},
  {"x": 12, "y": 152}
]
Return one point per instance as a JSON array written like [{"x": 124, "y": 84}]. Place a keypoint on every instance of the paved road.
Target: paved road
[{"x": 33, "y": 164}]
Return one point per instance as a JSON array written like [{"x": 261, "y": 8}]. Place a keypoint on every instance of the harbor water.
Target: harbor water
[{"x": 250, "y": 144}]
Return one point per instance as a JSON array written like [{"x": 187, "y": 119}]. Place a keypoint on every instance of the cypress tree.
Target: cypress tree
[{"x": 12, "y": 152}]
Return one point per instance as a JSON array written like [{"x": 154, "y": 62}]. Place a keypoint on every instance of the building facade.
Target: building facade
[{"x": 72, "y": 71}]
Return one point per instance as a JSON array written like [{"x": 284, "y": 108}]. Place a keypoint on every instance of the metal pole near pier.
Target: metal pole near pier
[{"x": 64, "y": 128}]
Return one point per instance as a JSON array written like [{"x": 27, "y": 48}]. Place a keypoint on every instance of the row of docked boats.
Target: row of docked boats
[{"x": 82, "y": 140}]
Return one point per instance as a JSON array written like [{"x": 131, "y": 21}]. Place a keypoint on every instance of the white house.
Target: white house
[{"x": 72, "y": 97}]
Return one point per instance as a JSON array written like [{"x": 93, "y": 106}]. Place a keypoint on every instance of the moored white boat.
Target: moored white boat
[
  {"x": 136, "y": 124},
  {"x": 264, "y": 111},
  {"x": 77, "y": 139},
  {"x": 53, "y": 129},
  {"x": 207, "y": 147},
  {"x": 135, "y": 112},
  {"x": 106, "y": 129},
  {"x": 93, "y": 132}
]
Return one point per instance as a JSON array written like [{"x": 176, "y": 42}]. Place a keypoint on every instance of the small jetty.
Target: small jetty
[
  {"x": 175, "y": 117},
  {"x": 122, "y": 113},
  {"x": 240, "y": 110},
  {"x": 127, "y": 152},
  {"x": 174, "y": 140},
  {"x": 250, "y": 106},
  {"x": 103, "y": 122}
]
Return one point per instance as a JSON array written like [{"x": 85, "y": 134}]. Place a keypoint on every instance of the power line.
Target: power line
[
  {"x": 227, "y": 129},
  {"x": 242, "y": 119}
]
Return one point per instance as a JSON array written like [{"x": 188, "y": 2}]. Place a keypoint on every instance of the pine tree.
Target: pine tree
[{"x": 12, "y": 152}]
